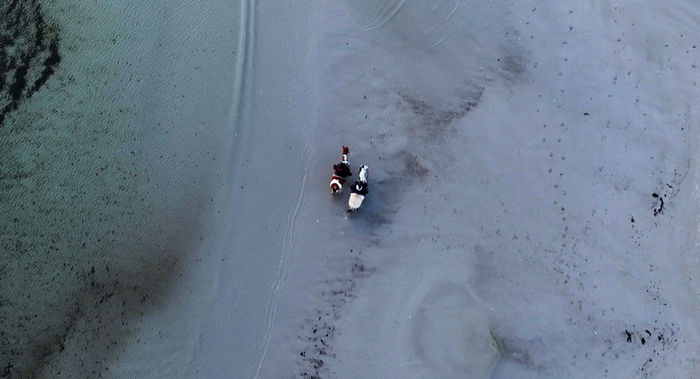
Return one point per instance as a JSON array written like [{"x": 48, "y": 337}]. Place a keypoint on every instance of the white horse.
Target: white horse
[{"x": 359, "y": 190}]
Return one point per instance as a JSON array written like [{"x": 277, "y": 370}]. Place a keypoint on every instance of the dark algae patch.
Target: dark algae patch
[
  {"x": 660, "y": 207},
  {"x": 29, "y": 52},
  {"x": 84, "y": 251},
  {"x": 318, "y": 331}
]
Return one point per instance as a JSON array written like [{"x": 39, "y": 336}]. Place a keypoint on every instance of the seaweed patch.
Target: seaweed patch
[
  {"x": 319, "y": 331},
  {"x": 29, "y": 53},
  {"x": 660, "y": 208}
]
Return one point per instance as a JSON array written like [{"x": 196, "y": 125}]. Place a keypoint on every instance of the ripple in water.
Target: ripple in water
[
  {"x": 372, "y": 14},
  {"x": 418, "y": 25}
]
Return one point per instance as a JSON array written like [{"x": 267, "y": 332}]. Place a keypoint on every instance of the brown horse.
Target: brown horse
[{"x": 341, "y": 172}]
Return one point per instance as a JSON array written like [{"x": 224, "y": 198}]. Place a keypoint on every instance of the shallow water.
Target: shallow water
[{"x": 112, "y": 156}]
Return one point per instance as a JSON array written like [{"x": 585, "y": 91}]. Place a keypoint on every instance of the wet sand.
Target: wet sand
[{"x": 518, "y": 156}]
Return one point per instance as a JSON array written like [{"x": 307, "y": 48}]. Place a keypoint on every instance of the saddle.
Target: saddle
[{"x": 341, "y": 170}]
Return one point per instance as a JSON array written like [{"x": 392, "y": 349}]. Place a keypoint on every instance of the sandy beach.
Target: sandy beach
[
  {"x": 532, "y": 208},
  {"x": 514, "y": 225}
]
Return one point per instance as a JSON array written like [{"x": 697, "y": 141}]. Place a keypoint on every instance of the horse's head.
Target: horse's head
[
  {"x": 363, "y": 173},
  {"x": 336, "y": 185},
  {"x": 346, "y": 151}
]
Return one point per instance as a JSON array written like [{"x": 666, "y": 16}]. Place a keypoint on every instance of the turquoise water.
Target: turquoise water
[{"x": 117, "y": 119}]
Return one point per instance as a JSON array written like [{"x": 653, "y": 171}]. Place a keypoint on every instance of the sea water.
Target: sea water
[{"x": 117, "y": 120}]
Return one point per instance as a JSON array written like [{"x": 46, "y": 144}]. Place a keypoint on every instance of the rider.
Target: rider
[
  {"x": 342, "y": 169},
  {"x": 360, "y": 186}
]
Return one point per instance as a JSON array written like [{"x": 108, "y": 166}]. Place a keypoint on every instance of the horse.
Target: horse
[
  {"x": 358, "y": 190},
  {"x": 341, "y": 172}
]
